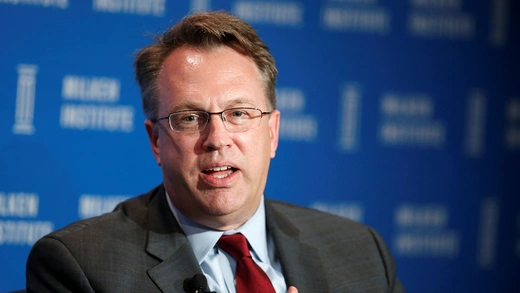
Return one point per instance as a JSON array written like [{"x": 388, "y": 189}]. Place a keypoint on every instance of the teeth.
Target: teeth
[
  {"x": 223, "y": 168},
  {"x": 221, "y": 176}
]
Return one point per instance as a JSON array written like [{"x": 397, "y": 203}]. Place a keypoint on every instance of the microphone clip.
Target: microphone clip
[{"x": 197, "y": 284}]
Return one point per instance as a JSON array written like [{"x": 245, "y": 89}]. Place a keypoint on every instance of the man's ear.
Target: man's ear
[
  {"x": 153, "y": 136},
  {"x": 274, "y": 127}
]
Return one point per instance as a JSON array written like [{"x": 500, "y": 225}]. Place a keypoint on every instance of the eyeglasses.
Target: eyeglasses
[{"x": 235, "y": 119}]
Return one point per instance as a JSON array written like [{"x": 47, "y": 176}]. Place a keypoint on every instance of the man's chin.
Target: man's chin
[{"x": 226, "y": 212}]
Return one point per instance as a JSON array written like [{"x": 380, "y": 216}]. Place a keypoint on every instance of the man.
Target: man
[{"x": 207, "y": 86}]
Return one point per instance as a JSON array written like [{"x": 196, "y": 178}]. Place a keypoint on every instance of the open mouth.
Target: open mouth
[{"x": 220, "y": 172}]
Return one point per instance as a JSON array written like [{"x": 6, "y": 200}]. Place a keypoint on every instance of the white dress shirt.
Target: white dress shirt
[{"x": 217, "y": 265}]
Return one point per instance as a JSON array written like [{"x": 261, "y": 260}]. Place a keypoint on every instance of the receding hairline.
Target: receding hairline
[{"x": 208, "y": 49}]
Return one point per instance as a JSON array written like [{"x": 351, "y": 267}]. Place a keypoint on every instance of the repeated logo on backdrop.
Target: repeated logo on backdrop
[
  {"x": 349, "y": 115},
  {"x": 295, "y": 125},
  {"x": 60, "y": 4},
  {"x": 91, "y": 205},
  {"x": 25, "y": 95},
  {"x": 91, "y": 103},
  {"x": 441, "y": 19},
  {"x": 281, "y": 13},
  {"x": 475, "y": 123},
  {"x": 408, "y": 119},
  {"x": 488, "y": 232},
  {"x": 139, "y": 7},
  {"x": 512, "y": 132},
  {"x": 423, "y": 231},
  {"x": 363, "y": 16},
  {"x": 18, "y": 219}
]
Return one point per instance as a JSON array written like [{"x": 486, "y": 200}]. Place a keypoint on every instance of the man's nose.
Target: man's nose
[{"x": 216, "y": 135}]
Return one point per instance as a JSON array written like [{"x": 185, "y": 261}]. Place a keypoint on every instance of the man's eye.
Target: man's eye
[
  {"x": 188, "y": 118},
  {"x": 239, "y": 114}
]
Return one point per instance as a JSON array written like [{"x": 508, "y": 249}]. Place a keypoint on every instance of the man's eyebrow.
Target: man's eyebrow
[
  {"x": 233, "y": 103},
  {"x": 185, "y": 106},
  {"x": 239, "y": 102}
]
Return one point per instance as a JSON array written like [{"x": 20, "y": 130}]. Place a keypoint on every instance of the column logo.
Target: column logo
[
  {"x": 350, "y": 117},
  {"x": 499, "y": 22},
  {"x": 476, "y": 108},
  {"x": 200, "y": 5},
  {"x": 25, "y": 96}
]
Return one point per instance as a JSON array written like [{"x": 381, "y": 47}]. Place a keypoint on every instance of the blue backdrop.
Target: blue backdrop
[{"x": 404, "y": 115}]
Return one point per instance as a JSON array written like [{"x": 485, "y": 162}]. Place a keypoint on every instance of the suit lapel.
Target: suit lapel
[
  {"x": 168, "y": 243},
  {"x": 170, "y": 274},
  {"x": 301, "y": 263}
]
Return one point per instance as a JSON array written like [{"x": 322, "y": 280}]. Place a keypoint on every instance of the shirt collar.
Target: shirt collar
[{"x": 203, "y": 239}]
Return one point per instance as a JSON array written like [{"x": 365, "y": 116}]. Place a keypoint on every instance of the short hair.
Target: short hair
[{"x": 203, "y": 30}]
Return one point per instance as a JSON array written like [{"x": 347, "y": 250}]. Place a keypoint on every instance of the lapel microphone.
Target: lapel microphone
[{"x": 197, "y": 284}]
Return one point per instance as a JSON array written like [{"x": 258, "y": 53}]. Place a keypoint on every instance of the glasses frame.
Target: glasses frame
[{"x": 221, "y": 114}]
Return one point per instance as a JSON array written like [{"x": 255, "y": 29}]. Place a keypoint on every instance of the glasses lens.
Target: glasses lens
[
  {"x": 241, "y": 119},
  {"x": 236, "y": 120},
  {"x": 188, "y": 121}
]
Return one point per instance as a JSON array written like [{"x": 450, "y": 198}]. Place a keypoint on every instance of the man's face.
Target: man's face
[{"x": 213, "y": 80}]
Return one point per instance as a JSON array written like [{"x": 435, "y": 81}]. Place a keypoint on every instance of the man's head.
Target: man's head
[
  {"x": 214, "y": 171},
  {"x": 205, "y": 31}
]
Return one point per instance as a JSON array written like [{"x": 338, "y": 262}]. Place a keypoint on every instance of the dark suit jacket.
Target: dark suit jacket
[{"x": 139, "y": 247}]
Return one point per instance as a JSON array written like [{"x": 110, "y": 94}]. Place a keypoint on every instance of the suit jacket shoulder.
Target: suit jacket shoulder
[
  {"x": 139, "y": 247},
  {"x": 341, "y": 254}
]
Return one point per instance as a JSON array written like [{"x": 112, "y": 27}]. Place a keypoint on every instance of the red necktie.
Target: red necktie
[{"x": 250, "y": 278}]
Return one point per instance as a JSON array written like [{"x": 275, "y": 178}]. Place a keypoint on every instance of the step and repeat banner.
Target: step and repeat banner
[{"x": 403, "y": 115}]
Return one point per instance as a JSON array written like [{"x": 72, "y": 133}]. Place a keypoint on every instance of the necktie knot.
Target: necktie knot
[
  {"x": 250, "y": 278},
  {"x": 235, "y": 244}
]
